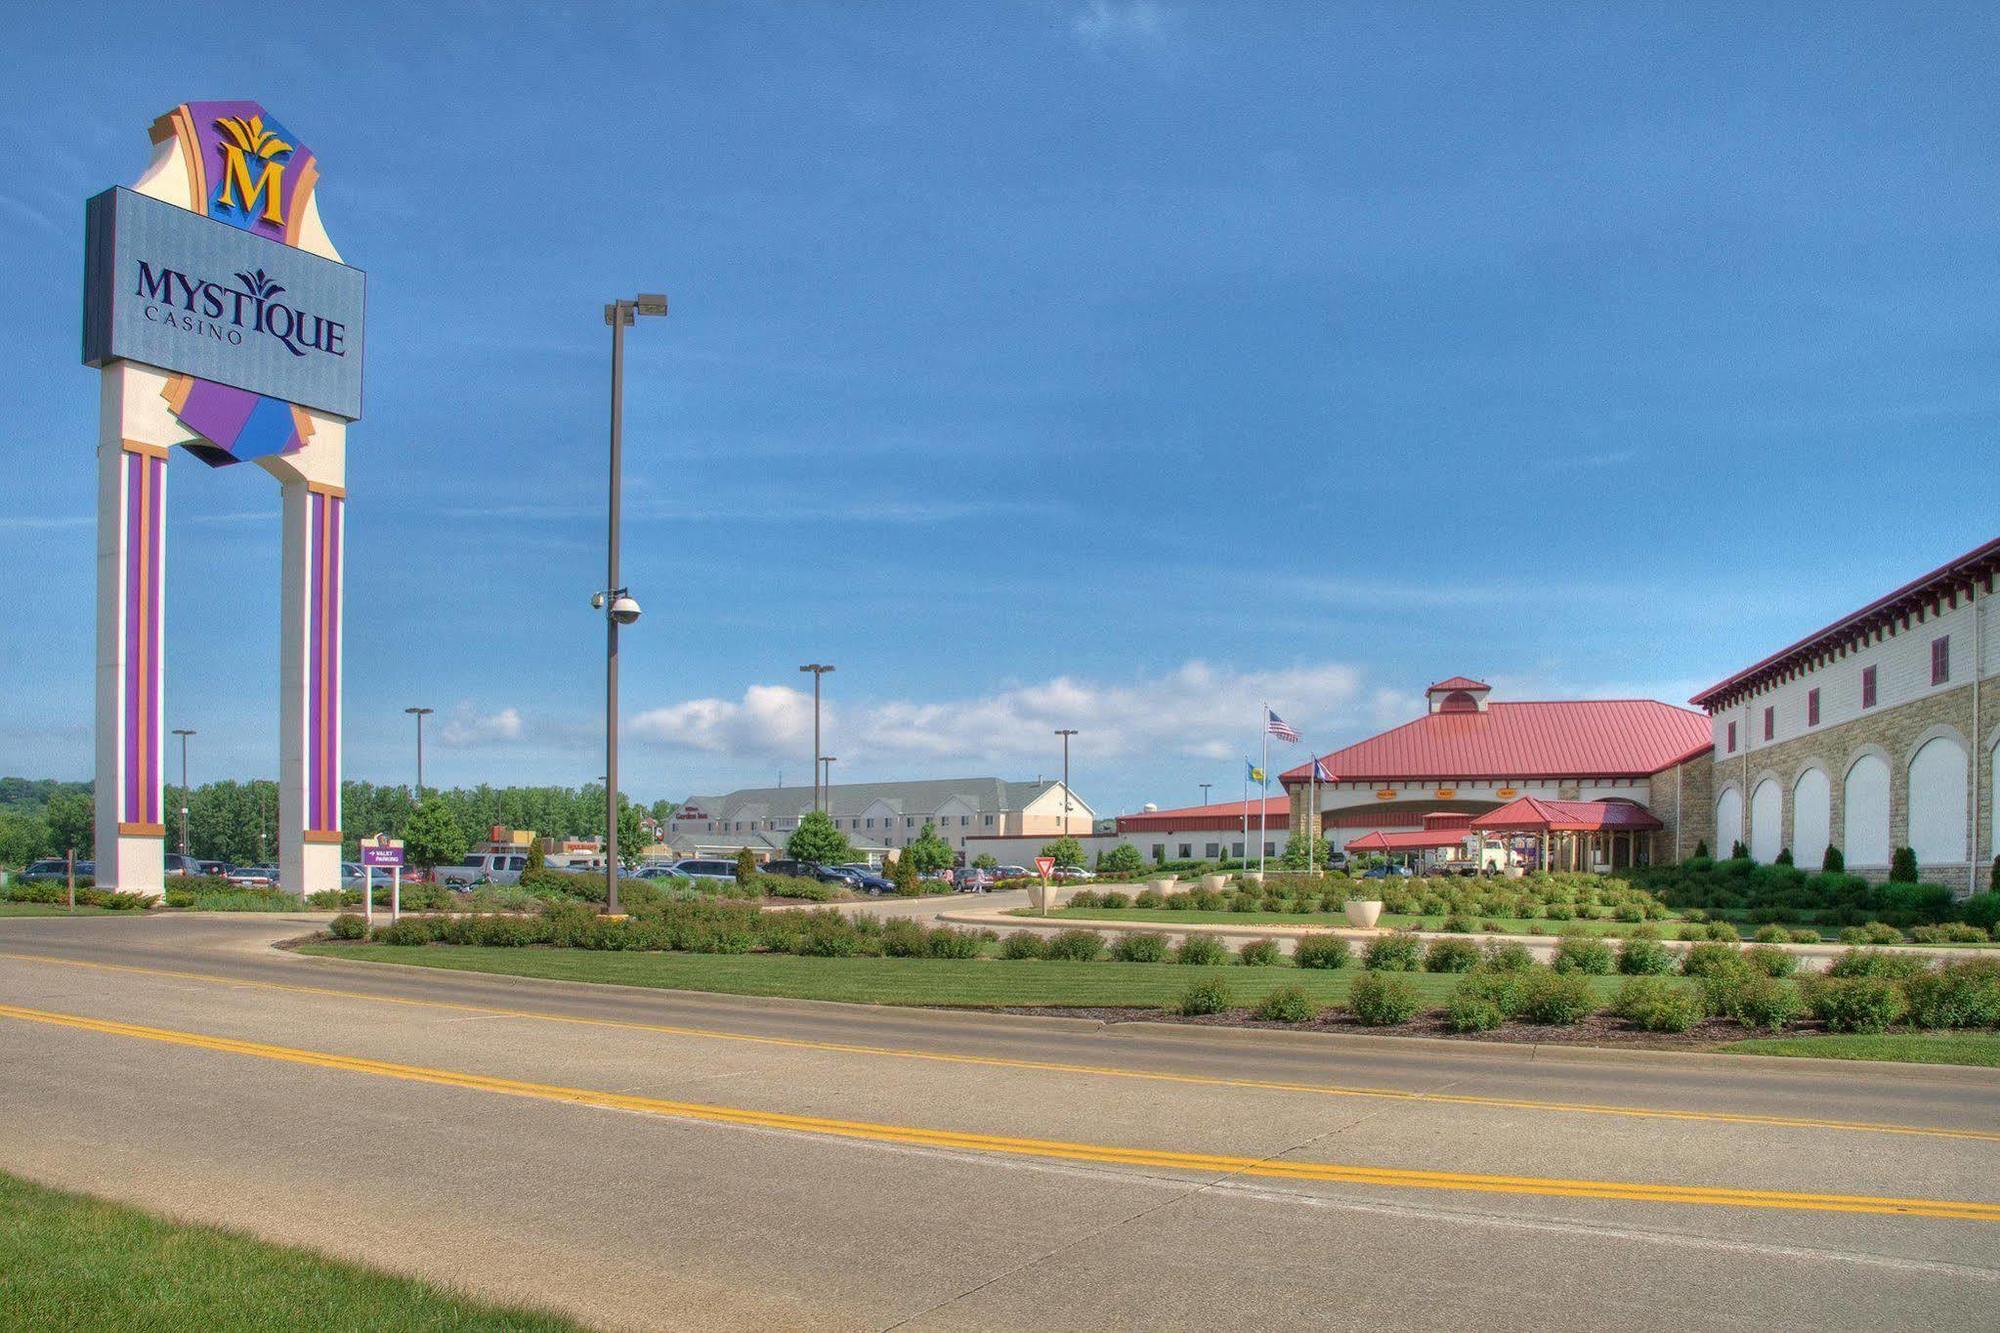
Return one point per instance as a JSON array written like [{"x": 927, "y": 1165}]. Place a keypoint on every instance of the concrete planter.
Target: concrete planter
[
  {"x": 1167, "y": 884},
  {"x": 1363, "y": 913},
  {"x": 1215, "y": 883},
  {"x": 1253, "y": 877}
]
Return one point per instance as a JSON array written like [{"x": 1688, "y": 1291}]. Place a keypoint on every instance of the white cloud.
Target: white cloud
[
  {"x": 467, "y": 726},
  {"x": 1195, "y": 711},
  {"x": 1119, "y": 20}
]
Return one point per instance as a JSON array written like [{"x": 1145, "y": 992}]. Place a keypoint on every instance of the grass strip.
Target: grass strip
[
  {"x": 69, "y": 1261},
  {"x": 1923, "y": 1048}
]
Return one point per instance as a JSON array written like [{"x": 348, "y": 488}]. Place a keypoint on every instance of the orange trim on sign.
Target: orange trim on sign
[
  {"x": 302, "y": 192},
  {"x": 326, "y": 488},
  {"x": 141, "y": 447},
  {"x": 142, "y": 830},
  {"x": 176, "y": 392},
  {"x": 323, "y": 836}
]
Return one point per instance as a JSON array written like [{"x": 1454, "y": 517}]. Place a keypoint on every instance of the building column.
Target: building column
[
  {"x": 131, "y": 606},
  {"x": 309, "y": 672}
]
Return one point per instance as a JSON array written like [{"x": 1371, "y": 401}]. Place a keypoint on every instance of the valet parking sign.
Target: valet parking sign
[{"x": 383, "y": 852}]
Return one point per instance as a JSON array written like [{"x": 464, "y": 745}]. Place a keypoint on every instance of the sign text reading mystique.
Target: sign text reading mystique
[{"x": 170, "y": 288}]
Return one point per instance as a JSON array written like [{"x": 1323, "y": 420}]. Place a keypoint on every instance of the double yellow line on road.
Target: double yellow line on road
[
  {"x": 1214, "y": 1164},
  {"x": 1054, "y": 1066}
]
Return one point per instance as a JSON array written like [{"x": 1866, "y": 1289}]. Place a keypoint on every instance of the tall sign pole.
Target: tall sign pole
[{"x": 222, "y": 322}]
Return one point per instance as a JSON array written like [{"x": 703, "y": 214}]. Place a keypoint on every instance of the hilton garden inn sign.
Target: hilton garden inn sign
[{"x": 221, "y": 321}]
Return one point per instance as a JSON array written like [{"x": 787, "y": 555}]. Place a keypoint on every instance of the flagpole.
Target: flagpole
[
  {"x": 1312, "y": 801},
  {"x": 1264, "y": 794},
  {"x": 1246, "y": 814}
]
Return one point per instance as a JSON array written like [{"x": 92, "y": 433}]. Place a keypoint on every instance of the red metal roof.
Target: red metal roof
[
  {"x": 1407, "y": 842},
  {"x": 1277, "y": 813},
  {"x": 1582, "y": 738},
  {"x": 1459, "y": 683},
  {"x": 1532, "y": 814},
  {"x": 1941, "y": 583}
]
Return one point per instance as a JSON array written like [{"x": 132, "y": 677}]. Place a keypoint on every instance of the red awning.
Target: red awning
[
  {"x": 1531, "y": 814},
  {"x": 1406, "y": 842}
]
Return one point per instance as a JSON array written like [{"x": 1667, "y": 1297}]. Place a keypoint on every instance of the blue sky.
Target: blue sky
[{"x": 1107, "y": 365}]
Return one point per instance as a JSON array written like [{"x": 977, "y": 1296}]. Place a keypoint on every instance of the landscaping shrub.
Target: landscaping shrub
[
  {"x": 409, "y": 930},
  {"x": 1147, "y": 899},
  {"x": 1577, "y": 953},
  {"x": 1140, "y": 946},
  {"x": 1772, "y": 934},
  {"x": 1957, "y": 995},
  {"x": 1555, "y": 998},
  {"x": 1246, "y": 901},
  {"x": 1322, "y": 951},
  {"x": 1881, "y": 932},
  {"x": 1457, "y": 924},
  {"x": 1452, "y": 956},
  {"x": 1023, "y": 944},
  {"x": 1983, "y": 909},
  {"x": 1393, "y": 953},
  {"x": 509, "y": 932},
  {"x": 1114, "y": 901},
  {"x": 1760, "y": 1002},
  {"x": 1856, "y": 1004},
  {"x": 1207, "y": 996},
  {"x": 1645, "y": 958},
  {"x": 904, "y": 938},
  {"x": 1259, "y": 953},
  {"x": 1903, "y": 866},
  {"x": 829, "y": 936},
  {"x": 1202, "y": 951},
  {"x": 1507, "y": 956},
  {"x": 945, "y": 942},
  {"x": 1288, "y": 1004},
  {"x": 1075, "y": 946},
  {"x": 1877, "y": 963},
  {"x": 1472, "y": 1011},
  {"x": 1951, "y": 932},
  {"x": 1711, "y": 959},
  {"x": 1772, "y": 962},
  {"x": 1658, "y": 1004},
  {"x": 1382, "y": 999},
  {"x": 571, "y": 925},
  {"x": 347, "y": 926}
]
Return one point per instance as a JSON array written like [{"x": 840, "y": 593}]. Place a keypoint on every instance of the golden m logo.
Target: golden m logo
[{"x": 245, "y": 142}]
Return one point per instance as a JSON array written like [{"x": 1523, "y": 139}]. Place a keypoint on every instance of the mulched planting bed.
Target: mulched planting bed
[{"x": 1596, "y": 1030}]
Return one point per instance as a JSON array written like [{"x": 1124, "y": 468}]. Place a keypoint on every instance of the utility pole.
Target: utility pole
[
  {"x": 420, "y": 714},
  {"x": 184, "y": 733},
  {"x": 818, "y": 669},
  {"x": 1065, "y": 733}
]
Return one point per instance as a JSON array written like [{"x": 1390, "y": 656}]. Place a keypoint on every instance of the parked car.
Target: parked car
[
  {"x": 352, "y": 874},
  {"x": 1011, "y": 872},
  {"x": 221, "y": 869},
  {"x": 1336, "y": 860},
  {"x": 253, "y": 877},
  {"x": 494, "y": 867},
  {"x": 699, "y": 869},
  {"x": 55, "y": 869},
  {"x": 805, "y": 870},
  {"x": 863, "y": 880},
  {"x": 177, "y": 864},
  {"x": 1387, "y": 872},
  {"x": 1074, "y": 874},
  {"x": 974, "y": 879}
]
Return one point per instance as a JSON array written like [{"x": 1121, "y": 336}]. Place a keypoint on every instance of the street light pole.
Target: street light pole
[
  {"x": 826, "y": 764},
  {"x": 184, "y": 733},
  {"x": 619, "y": 608},
  {"x": 1065, "y": 733},
  {"x": 420, "y": 714},
  {"x": 1204, "y": 791},
  {"x": 818, "y": 669}
]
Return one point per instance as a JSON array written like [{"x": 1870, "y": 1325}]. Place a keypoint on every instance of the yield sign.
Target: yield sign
[{"x": 1045, "y": 864}]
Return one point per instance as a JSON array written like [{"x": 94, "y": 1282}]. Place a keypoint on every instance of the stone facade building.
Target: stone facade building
[{"x": 1880, "y": 731}]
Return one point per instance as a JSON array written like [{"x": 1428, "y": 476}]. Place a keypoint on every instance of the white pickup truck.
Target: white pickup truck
[{"x": 494, "y": 867}]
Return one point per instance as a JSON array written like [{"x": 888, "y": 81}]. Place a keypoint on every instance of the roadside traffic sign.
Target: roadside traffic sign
[{"x": 1045, "y": 864}]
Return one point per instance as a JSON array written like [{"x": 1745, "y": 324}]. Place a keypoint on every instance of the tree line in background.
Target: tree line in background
[{"x": 238, "y": 821}]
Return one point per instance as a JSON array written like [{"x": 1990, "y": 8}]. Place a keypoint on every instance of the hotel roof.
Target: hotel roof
[{"x": 1583, "y": 738}]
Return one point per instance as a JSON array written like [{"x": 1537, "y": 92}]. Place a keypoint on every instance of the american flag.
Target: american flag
[{"x": 1280, "y": 728}]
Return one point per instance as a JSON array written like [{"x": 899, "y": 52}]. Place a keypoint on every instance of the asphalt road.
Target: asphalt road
[{"x": 648, "y": 1159}]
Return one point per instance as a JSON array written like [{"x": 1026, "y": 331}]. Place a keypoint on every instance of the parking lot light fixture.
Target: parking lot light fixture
[
  {"x": 818, "y": 669},
  {"x": 184, "y": 733},
  {"x": 420, "y": 714}
]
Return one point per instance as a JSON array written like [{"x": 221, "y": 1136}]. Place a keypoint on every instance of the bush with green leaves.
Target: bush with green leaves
[
  {"x": 1201, "y": 951},
  {"x": 1288, "y": 1004},
  {"x": 1555, "y": 998},
  {"x": 946, "y": 942},
  {"x": 1507, "y": 956},
  {"x": 409, "y": 930},
  {"x": 1877, "y": 963},
  {"x": 904, "y": 938},
  {"x": 1711, "y": 958},
  {"x": 1956, "y": 995},
  {"x": 1258, "y": 953},
  {"x": 1023, "y": 944},
  {"x": 1645, "y": 958},
  {"x": 1759, "y": 1001},
  {"x": 1452, "y": 956},
  {"x": 1140, "y": 946},
  {"x": 1483, "y": 1000},
  {"x": 1383, "y": 998},
  {"x": 1771, "y": 961},
  {"x": 1075, "y": 946},
  {"x": 1207, "y": 996},
  {"x": 1322, "y": 951},
  {"x": 1393, "y": 953},
  {"x": 1903, "y": 866},
  {"x": 1124, "y": 859},
  {"x": 347, "y": 926},
  {"x": 1585, "y": 954},
  {"x": 1950, "y": 932},
  {"x": 1856, "y": 1003},
  {"x": 1658, "y": 1004}
]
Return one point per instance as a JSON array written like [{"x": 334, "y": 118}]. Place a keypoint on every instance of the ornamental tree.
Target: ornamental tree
[
  {"x": 1298, "y": 846},
  {"x": 928, "y": 852},
  {"x": 1124, "y": 859},
  {"x": 817, "y": 842},
  {"x": 1066, "y": 851},
  {"x": 433, "y": 838}
]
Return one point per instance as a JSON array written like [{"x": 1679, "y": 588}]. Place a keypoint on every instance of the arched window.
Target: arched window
[
  {"x": 1728, "y": 820},
  {"x": 1864, "y": 837},
  {"x": 1767, "y": 821},
  {"x": 1458, "y": 701},
  {"x": 1812, "y": 817},
  {"x": 1937, "y": 802}
]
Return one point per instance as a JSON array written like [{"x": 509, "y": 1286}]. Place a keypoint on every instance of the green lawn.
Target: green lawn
[
  {"x": 1927, "y": 1048},
  {"x": 47, "y": 909},
  {"x": 983, "y": 983},
  {"x": 1140, "y": 918},
  {"x": 67, "y": 1261}
]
